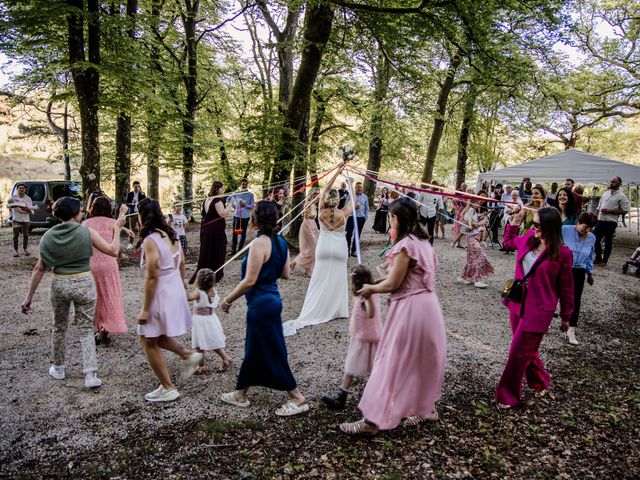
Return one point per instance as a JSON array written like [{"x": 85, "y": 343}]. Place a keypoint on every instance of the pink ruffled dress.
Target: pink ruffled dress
[
  {"x": 109, "y": 314},
  {"x": 365, "y": 334},
  {"x": 408, "y": 370}
]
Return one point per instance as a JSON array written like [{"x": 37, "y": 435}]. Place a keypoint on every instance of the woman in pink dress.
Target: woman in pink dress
[
  {"x": 308, "y": 238},
  {"x": 408, "y": 371},
  {"x": 477, "y": 267},
  {"x": 109, "y": 316}
]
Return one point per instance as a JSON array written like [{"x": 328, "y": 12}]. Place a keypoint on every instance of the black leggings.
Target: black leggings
[{"x": 579, "y": 275}]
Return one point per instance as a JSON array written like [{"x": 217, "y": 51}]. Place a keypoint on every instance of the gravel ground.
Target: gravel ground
[{"x": 46, "y": 422}]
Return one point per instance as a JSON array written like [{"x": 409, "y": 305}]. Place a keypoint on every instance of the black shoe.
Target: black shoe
[{"x": 337, "y": 402}]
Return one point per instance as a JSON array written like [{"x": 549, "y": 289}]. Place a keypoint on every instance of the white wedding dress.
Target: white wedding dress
[{"x": 327, "y": 296}]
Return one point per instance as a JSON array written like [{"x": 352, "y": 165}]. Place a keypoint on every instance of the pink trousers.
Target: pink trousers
[{"x": 524, "y": 361}]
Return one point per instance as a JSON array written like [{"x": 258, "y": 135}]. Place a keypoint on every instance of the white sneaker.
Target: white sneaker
[
  {"x": 291, "y": 408},
  {"x": 480, "y": 284},
  {"x": 91, "y": 380},
  {"x": 571, "y": 336},
  {"x": 57, "y": 371},
  {"x": 463, "y": 281},
  {"x": 190, "y": 364},
  {"x": 163, "y": 395}
]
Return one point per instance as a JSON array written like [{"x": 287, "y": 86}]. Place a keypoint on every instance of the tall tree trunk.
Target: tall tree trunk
[
  {"x": 300, "y": 170},
  {"x": 377, "y": 118},
  {"x": 439, "y": 121},
  {"x": 465, "y": 131},
  {"x": 123, "y": 124},
  {"x": 321, "y": 109},
  {"x": 123, "y": 156},
  {"x": 191, "y": 103},
  {"x": 86, "y": 81},
  {"x": 318, "y": 24},
  {"x": 231, "y": 183},
  {"x": 65, "y": 143},
  {"x": 153, "y": 157}
]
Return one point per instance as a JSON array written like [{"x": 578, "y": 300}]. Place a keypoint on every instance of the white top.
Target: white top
[
  {"x": 432, "y": 203},
  {"x": 528, "y": 260},
  {"x": 179, "y": 221},
  {"x": 204, "y": 302},
  {"x": 612, "y": 200},
  {"x": 18, "y": 215},
  {"x": 135, "y": 200},
  {"x": 470, "y": 216}
]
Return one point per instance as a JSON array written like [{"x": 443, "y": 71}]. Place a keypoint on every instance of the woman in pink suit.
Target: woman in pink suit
[
  {"x": 530, "y": 319},
  {"x": 408, "y": 369}
]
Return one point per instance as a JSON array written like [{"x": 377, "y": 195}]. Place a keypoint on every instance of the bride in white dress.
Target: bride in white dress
[{"x": 328, "y": 294}]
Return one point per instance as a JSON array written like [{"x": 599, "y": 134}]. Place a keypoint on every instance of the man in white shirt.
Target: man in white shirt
[
  {"x": 612, "y": 204},
  {"x": 552, "y": 194},
  {"x": 506, "y": 195},
  {"x": 431, "y": 205},
  {"x": 20, "y": 204}
]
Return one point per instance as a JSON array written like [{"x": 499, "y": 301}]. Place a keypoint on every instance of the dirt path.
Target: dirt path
[{"x": 588, "y": 426}]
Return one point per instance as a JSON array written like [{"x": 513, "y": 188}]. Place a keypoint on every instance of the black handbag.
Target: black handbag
[{"x": 514, "y": 289}]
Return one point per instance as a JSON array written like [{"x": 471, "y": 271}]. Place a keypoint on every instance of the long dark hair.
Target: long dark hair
[
  {"x": 215, "y": 188},
  {"x": 551, "y": 228},
  {"x": 265, "y": 217},
  {"x": 571, "y": 208},
  {"x": 405, "y": 211},
  {"x": 152, "y": 219}
]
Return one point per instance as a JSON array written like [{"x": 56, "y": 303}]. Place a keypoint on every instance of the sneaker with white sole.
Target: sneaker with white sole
[
  {"x": 292, "y": 408},
  {"x": 57, "y": 372},
  {"x": 164, "y": 395},
  {"x": 190, "y": 364},
  {"x": 91, "y": 380},
  {"x": 480, "y": 284},
  {"x": 463, "y": 281}
]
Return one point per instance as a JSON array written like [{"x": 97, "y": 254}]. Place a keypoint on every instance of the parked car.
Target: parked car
[{"x": 44, "y": 193}]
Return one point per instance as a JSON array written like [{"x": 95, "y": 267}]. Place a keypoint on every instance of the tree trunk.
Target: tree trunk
[
  {"x": 318, "y": 24},
  {"x": 191, "y": 103},
  {"x": 123, "y": 125},
  {"x": 65, "y": 143},
  {"x": 376, "y": 130},
  {"x": 86, "y": 81},
  {"x": 230, "y": 182},
  {"x": 153, "y": 157},
  {"x": 312, "y": 164},
  {"x": 300, "y": 170},
  {"x": 439, "y": 121},
  {"x": 465, "y": 131}
]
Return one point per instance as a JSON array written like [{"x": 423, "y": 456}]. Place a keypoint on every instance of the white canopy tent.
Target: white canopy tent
[{"x": 584, "y": 168}]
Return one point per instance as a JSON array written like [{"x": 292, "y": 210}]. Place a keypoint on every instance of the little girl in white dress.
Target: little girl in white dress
[{"x": 206, "y": 330}]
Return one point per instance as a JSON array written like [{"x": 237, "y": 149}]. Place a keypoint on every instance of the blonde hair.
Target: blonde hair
[{"x": 331, "y": 198}]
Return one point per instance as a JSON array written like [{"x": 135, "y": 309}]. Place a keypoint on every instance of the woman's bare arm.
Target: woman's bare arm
[{"x": 151, "y": 257}]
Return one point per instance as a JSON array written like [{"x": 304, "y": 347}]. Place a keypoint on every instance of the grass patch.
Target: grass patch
[{"x": 217, "y": 429}]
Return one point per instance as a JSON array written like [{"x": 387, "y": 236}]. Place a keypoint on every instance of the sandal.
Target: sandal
[
  {"x": 224, "y": 367},
  {"x": 541, "y": 393},
  {"x": 230, "y": 398},
  {"x": 503, "y": 406},
  {"x": 200, "y": 370},
  {"x": 415, "y": 420},
  {"x": 359, "y": 428},
  {"x": 292, "y": 408}
]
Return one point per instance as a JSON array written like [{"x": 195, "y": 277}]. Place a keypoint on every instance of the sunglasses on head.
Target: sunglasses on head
[{"x": 535, "y": 224}]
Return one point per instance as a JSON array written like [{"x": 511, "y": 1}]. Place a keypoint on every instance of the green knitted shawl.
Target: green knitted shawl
[{"x": 67, "y": 248}]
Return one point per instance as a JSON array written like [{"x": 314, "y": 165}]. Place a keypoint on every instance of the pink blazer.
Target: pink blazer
[{"x": 552, "y": 280}]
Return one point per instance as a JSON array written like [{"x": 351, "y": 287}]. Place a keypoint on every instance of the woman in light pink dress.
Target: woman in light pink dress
[
  {"x": 408, "y": 371},
  {"x": 109, "y": 316},
  {"x": 308, "y": 238}
]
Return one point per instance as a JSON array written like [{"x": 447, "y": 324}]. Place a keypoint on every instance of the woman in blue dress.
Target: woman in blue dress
[{"x": 265, "y": 360}]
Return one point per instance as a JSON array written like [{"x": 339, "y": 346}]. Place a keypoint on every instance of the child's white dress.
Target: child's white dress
[{"x": 206, "y": 331}]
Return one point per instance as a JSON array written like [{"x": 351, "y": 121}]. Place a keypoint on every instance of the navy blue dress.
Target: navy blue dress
[{"x": 265, "y": 360}]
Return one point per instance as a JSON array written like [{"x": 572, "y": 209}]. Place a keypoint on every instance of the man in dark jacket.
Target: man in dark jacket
[{"x": 132, "y": 200}]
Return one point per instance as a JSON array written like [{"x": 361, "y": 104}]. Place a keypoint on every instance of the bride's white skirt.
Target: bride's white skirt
[{"x": 327, "y": 296}]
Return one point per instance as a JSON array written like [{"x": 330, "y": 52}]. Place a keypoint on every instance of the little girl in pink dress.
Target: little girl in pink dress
[{"x": 365, "y": 328}]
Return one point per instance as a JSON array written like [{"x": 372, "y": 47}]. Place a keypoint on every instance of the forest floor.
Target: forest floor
[{"x": 587, "y": 427}]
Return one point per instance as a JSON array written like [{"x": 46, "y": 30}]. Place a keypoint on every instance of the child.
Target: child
[
  {"x": 206, "y": 332},
  {"x": 365, "y": 328},
  {"x": 179, "y": 223}
]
